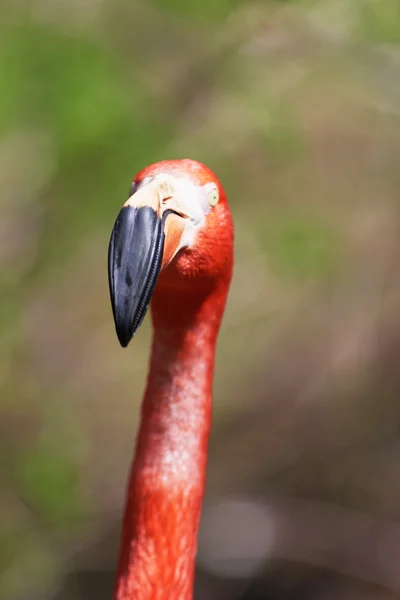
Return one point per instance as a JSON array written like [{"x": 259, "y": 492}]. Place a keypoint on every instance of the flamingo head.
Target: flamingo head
[{"x": 174, "y": 233}]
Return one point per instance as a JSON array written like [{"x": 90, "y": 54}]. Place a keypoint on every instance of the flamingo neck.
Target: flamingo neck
[{"x": 166, "y": 488}]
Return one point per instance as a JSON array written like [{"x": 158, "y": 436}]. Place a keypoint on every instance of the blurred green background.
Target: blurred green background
[{"x": 296, "y": 106}]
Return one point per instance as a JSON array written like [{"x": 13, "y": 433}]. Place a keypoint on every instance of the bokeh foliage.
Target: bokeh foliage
[{"x": 90, "y": 93}]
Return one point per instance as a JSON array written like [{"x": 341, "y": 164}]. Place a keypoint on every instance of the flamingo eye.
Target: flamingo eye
[{"x": 213, "y": 197}]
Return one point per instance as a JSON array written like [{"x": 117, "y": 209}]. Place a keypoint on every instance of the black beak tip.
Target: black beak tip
[
  {"x": 134, "y": 262},
  {"x": 124, "y": 336},
  {"x": 124, "y": 326}
]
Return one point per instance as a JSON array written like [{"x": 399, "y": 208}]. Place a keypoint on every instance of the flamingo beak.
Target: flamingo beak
[{"x": 141, "y": 244}]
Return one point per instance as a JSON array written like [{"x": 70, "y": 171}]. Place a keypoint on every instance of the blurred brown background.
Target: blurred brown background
[{"x": 296, "y": 106}]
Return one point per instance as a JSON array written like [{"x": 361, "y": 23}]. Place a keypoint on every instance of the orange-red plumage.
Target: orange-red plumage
[{"x": 166, "y": 487}]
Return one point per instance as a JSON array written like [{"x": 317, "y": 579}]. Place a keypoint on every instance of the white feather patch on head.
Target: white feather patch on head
[{"x": 192, "y": 201}]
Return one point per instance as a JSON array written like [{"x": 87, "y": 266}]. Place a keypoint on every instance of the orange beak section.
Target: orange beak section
[
  {"x": 173, "y": 228},
  {"x": 145, "y": 238}
]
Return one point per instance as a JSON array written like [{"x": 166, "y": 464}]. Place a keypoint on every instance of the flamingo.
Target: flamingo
[{"x": 172, "y": 243}]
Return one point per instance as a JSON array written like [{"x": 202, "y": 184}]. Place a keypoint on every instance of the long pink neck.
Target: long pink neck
[{"x": 159, "y": 537}]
